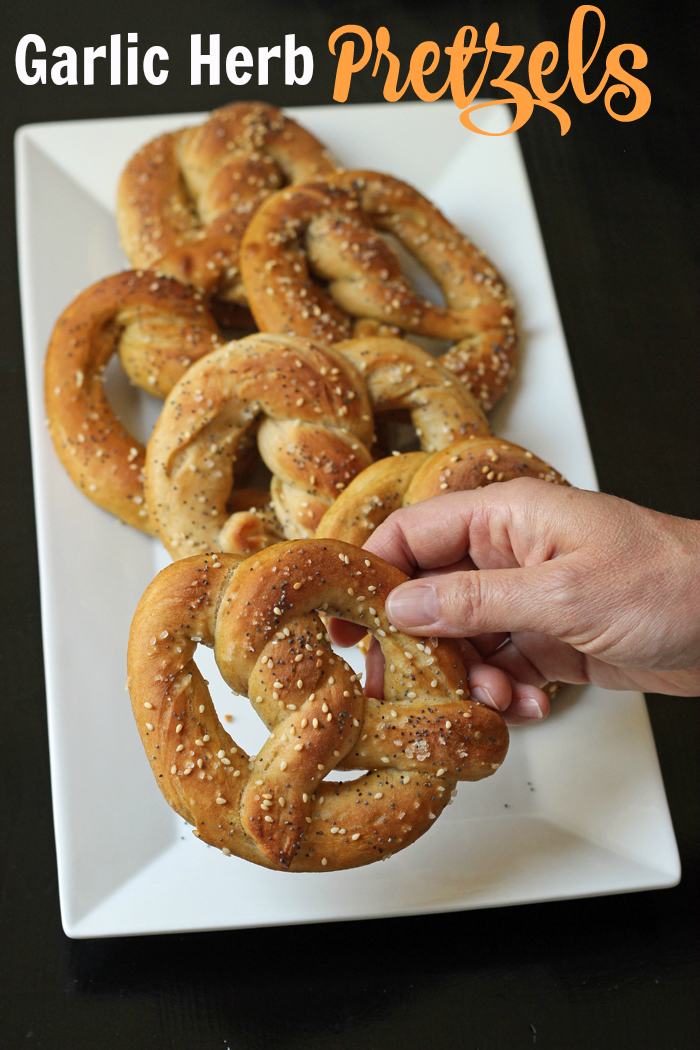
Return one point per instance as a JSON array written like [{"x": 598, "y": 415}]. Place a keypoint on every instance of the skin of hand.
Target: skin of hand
[{"x": 541, "y": 582}]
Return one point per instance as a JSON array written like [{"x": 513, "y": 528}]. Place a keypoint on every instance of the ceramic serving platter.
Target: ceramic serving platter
[{"x": 579, "y": 806}]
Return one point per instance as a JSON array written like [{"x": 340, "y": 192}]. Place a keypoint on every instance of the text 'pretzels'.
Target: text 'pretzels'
[
  {"x": 327, "y": 230},
  {"x": 276, "y": 808},
  {"x": 308, "y": 407},
  {"x": 159, "y": 327},
  {"x": 186, "y": 198}
]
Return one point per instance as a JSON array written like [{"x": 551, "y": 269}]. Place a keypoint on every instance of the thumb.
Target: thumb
[{"x": 460, "y": 604}]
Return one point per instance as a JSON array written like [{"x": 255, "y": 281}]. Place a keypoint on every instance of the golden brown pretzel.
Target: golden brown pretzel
[
  {"x": 401, "y": 377},
  {"x": 399, "y": 481},
  {"x": 327, "y": 229},
  {"x": 159, "y": 327},
  {"x": 185, "y": 198},
  {"x": 276, "y": 808},
  {"x": 310, "y": 408}
]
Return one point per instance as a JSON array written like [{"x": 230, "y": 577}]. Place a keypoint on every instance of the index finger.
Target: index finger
[{"x": 427, "y": 535}]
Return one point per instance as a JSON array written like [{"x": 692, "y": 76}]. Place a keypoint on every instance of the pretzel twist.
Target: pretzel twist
[
  {"x": 401, "y": 377},
  {"x": 276, "y": 808},
  {"x": 398, "y": 481},
  {"x": 185, "y": 199},
  {"x": 159, "y": 327},
  {"x": 327, "y": 229},
  {"x": 310, "y": 410}
]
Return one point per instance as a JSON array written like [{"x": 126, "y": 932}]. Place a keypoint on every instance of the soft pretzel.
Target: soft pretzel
[
  {"x": 159, "y": 327},
  {"x": 402, "y": 377},
  {"x": 276, "y": 808},
  {"x": 185, "y": 198},
  {"x": 314, "y": 427},
  {"x": 327, "y": 230},
  {"x": 398, "y": 481}
]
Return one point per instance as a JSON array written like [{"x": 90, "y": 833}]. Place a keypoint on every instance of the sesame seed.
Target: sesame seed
[
  {"x": 283, "y": 765},
  {"x": 440, "y": 772},
  {"x": 379, "y": 794},
  {"x": 148, "y": 706},
  {"x": 355, "y": 837},
  {"x": 277, "y": 611},
  {"x": 385, "y": 760},
  {"x": 226, "y": 852},
  {"x": 173, "y": 769},
  {"x": 448, "y": 725},
  {"x": 459, "y": 692},
  {"x": 297, "y": 586},
  {"x": 178, "y": 727},
  {"x": 324, "y": 861},
  {"x": 221, "y": 801}
]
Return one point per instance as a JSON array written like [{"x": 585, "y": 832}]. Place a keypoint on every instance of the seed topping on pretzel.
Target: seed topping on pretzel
[
  {"x": 185, "y": 198},
  {"x": 277, "y": 808},
  {"x": 330, "y": 230}
]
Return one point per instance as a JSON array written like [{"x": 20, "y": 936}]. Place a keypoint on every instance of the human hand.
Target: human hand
[{"x": 569, "y": 585}]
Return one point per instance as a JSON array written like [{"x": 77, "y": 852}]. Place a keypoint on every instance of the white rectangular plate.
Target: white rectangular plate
[{"x": 579, "y": 806}]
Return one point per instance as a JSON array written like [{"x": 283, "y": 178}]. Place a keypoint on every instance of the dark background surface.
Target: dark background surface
[{"x": 618, "y": 207}]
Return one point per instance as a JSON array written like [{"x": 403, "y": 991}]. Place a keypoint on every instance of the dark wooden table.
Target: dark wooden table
[{"x": 618, "y": 207}]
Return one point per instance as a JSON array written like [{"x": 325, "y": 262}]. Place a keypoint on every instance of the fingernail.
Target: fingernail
[
  {"x": 413, "y": 605},
  {"x": 482, "y": 696},
  {"x": 529, "y": 708}
]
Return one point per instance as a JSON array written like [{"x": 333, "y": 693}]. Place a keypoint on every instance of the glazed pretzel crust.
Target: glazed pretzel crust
[
  {"x": 159, "y": 327},
  {"x": 328, "y": 229},
  {"x": 310, "y": 410},
  {"x": 276, "y": 808},
  {"x": 185, "y": 199}
]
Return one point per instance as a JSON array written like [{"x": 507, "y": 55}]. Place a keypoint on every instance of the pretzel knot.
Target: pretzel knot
[
  {"x": 310, "y": 410},
  {"x": 159, "y": 327},
  {"x": 277, "y": 808},
  {"x": 399, "y": 481},
  {"x": 185, "y": 198},
  {"x": 330, "y": 230}
]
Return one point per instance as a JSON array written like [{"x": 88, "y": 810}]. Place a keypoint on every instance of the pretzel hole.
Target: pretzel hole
[
  {"x": 423, "y": 284},
  {"x": 395, "y": 433},
  {"x": 135, "y": 409},
  {"x": 415, "y": 273}
]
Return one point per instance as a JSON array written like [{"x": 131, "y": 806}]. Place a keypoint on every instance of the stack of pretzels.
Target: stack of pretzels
[{"x": 269, "y": 467}]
